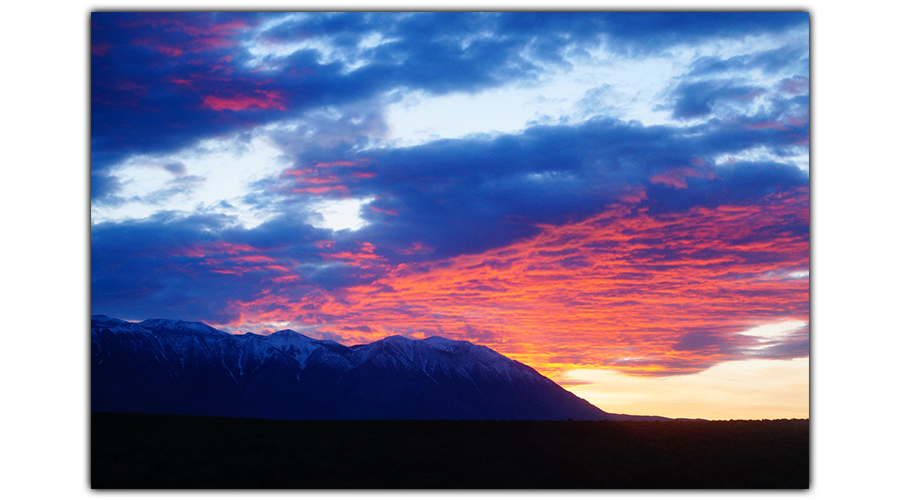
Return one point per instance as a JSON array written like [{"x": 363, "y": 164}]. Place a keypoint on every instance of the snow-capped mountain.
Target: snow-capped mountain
[{"x": 179, "y": 367}]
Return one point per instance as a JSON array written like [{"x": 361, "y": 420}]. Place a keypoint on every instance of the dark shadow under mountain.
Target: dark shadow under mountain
[{"x": 163, "y": 451}]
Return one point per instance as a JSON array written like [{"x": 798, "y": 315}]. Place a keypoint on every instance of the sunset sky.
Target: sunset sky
[{"x": 619, "y": 200}]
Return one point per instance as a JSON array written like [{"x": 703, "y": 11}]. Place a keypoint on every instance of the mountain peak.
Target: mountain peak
[
  {"x": 445, "y": 343},
  {"x": 100, "y": 319},
  {"x": 180, "y": 367},
  {"x": 179, "y": 325},
  {"x": 397, "y": 339},
  {"x": 289, "y": 334}
]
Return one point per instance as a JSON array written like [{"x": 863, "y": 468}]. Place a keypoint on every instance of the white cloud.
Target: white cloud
[
  {"x": 797, "y": 156},
  {"x": 339, "y": 214},
  {"x": 222, "y": 169},
  {"x": 601, "y": 83},
  {"x": 775, "y": 331},
  {"x": 558, "y": 97},
  {"x": 266, "y": 53}
]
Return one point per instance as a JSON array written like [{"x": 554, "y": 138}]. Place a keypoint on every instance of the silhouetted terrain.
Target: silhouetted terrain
[
  {"x": 177, "y": 367},
  {"x": 163, "y": 451}
]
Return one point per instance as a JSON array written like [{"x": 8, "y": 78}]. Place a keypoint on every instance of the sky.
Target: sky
[{"x": 619, "y": 200}]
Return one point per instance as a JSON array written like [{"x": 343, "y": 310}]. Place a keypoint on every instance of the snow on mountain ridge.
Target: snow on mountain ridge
[
  {"x": 165, "y": 366},
  {"x": 433, "y": 356},
  {"x": 179, "y": 325}
]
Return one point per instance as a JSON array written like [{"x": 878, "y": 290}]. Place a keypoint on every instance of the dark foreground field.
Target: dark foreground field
[{"x": 162, "y": 451}]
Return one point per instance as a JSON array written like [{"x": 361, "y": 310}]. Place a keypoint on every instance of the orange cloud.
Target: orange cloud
[{"x": 619, "y": 291}]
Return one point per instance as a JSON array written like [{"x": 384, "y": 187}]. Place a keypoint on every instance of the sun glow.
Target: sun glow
[{"x": 749, "y": 389}]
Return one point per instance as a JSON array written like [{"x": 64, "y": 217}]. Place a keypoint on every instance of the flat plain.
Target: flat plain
[{"x": 184, "y": 452}]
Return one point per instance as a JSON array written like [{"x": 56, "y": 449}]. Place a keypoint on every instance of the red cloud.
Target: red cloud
[
  {"x": 337, "y": 164},
  {"x": 260, "y": 99},
  {"x": 319, "y": 189},
  {"x": 315, "y": 181},
  {"x": 175, "y": 35},
  {"x": 236, "y": 259},
  {"x": 229, "y": 28},
  {"x": 383, "y": 210}
]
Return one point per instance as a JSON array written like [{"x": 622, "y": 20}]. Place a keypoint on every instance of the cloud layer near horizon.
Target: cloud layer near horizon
[{"x": 646, "y": 212}]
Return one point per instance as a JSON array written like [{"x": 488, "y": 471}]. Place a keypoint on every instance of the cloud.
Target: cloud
[
  {"x": 190, "y": 265},
  {"x": 644, "y": 247},
  {"x": 481, "y": 220},
  {"x": 792, "y": 57},
  {"x": 795, "y": 85},
  {"x": 737, "y": 182},
  {"x": 663, "y": 295},
  {"x": 182, "y": 185},
  {"x": 259, "y": 99},
  {"x": 645, "y": 32},
  {"x": 470, "y": 195},
  {"x": 175, "y": 168},
  {"x": 695, "y": 100},
  {"x": 104, "y": 188},
  {"x": 210, "y": 82}
]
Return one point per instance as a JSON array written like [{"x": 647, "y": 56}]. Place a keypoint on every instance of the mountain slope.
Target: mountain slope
[{"x": 178, "y": 367}]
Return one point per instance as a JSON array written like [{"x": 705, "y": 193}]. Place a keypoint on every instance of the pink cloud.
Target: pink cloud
[
  {"x": 260, "y": 99},
  {"x": 337, "y": 164},
  {"x": 795, "y": 85},
  {"x": 100, "y": 49},
  {"x": 677, "y": 177}
]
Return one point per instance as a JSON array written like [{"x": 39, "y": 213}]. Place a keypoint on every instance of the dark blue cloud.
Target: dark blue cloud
[
  {"x": 739, "y": 183},
  {"x": 707, "y": 342},
  {"x": 175, "y": 168},
  {"x": 710, "y": 342},
  {"x": 645, "y": 32},
  {"x": 434, "y": 201},
  {"x": 792, "y": 58},
  {"x": 104, "y": 187},
  {"x": 146, "y": 97},
  {"x": 161, "y": 81},
  {"x": 469, "y": 195},
  {"x": 696, "y": 99},
  {"x": 134, "y": 272},
  {"x": 170, "y": 264},
  {"x": 431, "y": 201}
]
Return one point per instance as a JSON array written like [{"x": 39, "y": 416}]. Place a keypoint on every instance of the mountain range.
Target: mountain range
[{"x": 189, "y": 368}]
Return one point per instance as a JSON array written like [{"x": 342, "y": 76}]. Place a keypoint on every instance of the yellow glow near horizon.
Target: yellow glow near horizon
[{"x": 749, "y": 389}]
